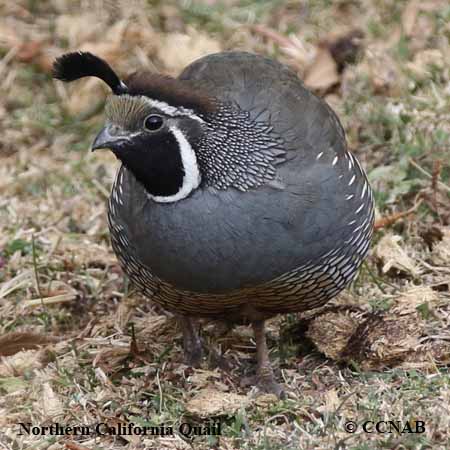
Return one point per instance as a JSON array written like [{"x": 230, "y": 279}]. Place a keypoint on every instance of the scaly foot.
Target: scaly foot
[
  {"x": 192, "y": 344},
  {"x": 264, "y": 373},
  {"x": 268, "y": 385}
]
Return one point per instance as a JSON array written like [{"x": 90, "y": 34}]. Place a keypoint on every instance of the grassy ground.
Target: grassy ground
[{"x": 380, "y": 353}]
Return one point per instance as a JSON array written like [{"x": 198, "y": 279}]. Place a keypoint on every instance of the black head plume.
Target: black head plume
[{"x": 72, "y": 66}]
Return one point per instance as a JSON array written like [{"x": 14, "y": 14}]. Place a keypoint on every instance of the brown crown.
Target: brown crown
[{"x": 170, "y": 90}]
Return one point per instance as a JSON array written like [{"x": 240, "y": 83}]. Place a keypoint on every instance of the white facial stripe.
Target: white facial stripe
[
  {"x": 172, "y": 110},
  {"x": 192, "y": 178}
]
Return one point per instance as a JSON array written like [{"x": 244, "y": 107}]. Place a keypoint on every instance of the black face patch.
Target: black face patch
[{"x": 155, "y": 160}]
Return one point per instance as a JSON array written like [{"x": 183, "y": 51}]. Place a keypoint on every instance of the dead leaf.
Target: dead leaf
[
  {"x": 408, "y": 301},
  {"x": 332, "y": 401},
  {"x": 22, "y": 279},
  {"x": 17, "y": 341},
  {"x": 23, "y": 361},
  {"x": 331, "y": 332},
  {"x": 51, "y": 404},
  {"x": 202, "y": 378},
  {"x": 393, "y": 256},
  {"x": 382, "y": 339},
  {"x": 266, "y": 400},
  {"x": 111, "y": 360},
  {"x": 177, "y": 50},
  {"x": 390, "y": 341},
  {"x": 210, "y": 402},
  {"x": 323, "y": 72},
  {"x": 441, "y": 250}
]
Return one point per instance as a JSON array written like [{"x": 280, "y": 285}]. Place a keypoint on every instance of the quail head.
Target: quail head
[{"x": 237, "y": 197}]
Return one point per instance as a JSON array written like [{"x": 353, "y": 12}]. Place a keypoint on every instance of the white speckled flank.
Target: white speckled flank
[
  {"x": 350, "y": 163},
  {"x": 360, "y": 208},
  {"x": 117, "y": 190},
  {"x": 364, "y": 189}
]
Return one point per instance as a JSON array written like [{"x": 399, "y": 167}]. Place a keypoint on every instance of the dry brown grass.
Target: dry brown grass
[{"x": 65, "y": 309}]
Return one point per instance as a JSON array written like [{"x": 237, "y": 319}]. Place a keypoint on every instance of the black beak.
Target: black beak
[{"x": 107, "y": 140}]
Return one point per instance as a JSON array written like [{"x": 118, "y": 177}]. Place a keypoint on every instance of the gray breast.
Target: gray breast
[{"x": 217, "y": 241}]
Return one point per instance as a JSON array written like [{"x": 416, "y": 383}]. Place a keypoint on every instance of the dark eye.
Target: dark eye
[{"x": 153, "y": 122}]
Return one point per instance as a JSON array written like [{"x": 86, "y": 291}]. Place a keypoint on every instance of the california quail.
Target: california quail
[{"x": 237, "y": 196}]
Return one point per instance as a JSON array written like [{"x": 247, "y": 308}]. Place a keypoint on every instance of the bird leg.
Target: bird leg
[
  {"x": 264, "y": 373},
  {"x": 192, "y": 344}
]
